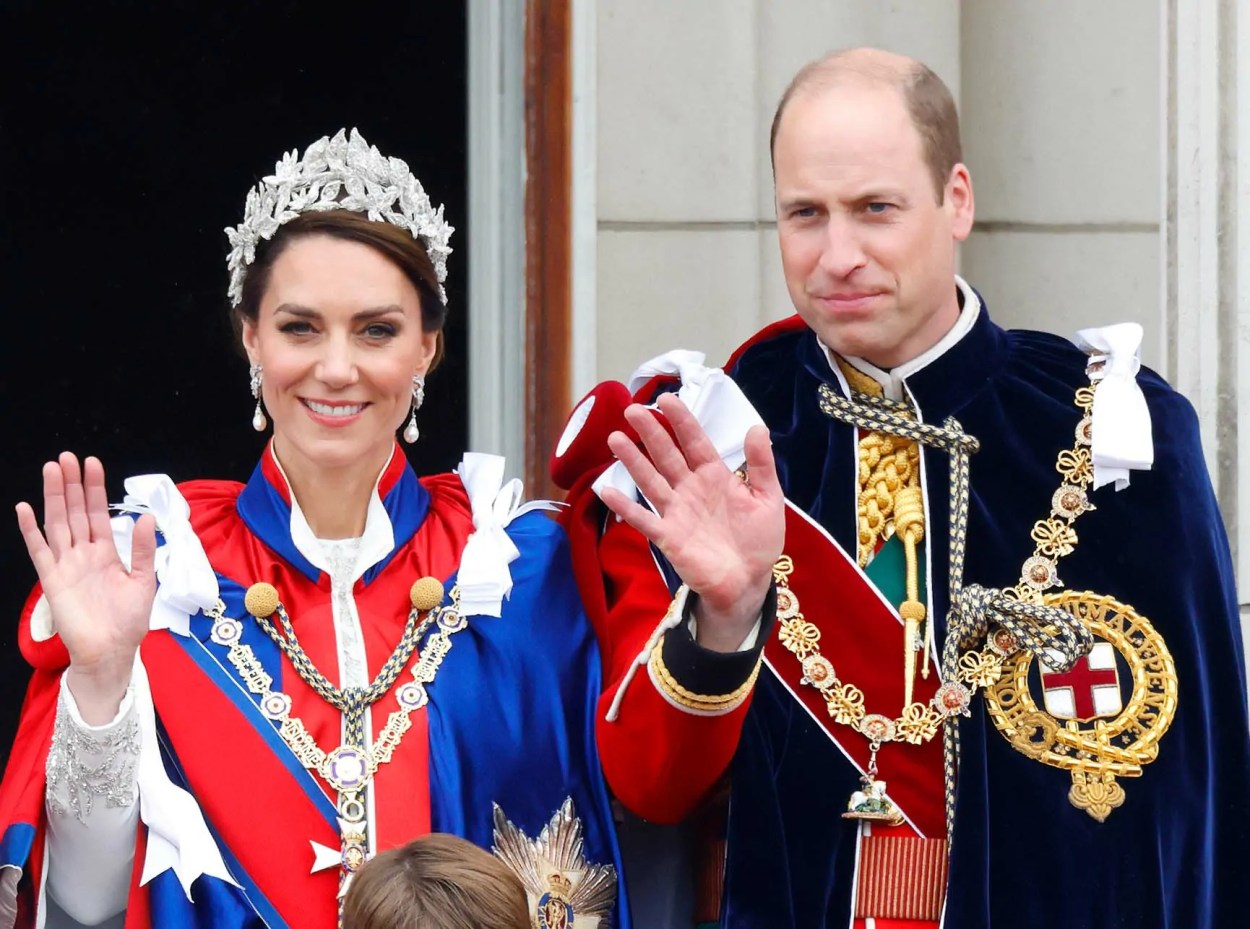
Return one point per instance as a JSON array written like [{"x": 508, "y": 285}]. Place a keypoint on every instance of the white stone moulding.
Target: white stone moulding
[
  {"x": 496, "y": 239},
  {"x": 1207, "y": 274}
]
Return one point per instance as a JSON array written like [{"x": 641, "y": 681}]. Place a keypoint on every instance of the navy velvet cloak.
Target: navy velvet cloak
[{"x": 1022, "y": 855}]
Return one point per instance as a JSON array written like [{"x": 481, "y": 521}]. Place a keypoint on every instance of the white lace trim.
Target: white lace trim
[{"x": 90, "y": 762}]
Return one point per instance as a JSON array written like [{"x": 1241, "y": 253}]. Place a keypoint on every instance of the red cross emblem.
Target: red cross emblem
[{"x": 1088, "y": 690}]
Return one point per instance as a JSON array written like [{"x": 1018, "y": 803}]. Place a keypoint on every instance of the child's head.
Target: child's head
[{"x": 436, "y": 882}]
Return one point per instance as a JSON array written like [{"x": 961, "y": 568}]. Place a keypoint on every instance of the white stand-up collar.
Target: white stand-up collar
[
  {"x": 376, "y": 542},
  {"x": 892, "y": 382}
]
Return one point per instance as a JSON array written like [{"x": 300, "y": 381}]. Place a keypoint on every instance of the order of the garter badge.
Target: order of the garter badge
[
  {"x": 564, "y": 889},
  {"x": 1084, "y": 724}
]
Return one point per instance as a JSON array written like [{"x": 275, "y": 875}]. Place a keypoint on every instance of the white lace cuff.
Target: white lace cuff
[{"x": 86, "y": 762}]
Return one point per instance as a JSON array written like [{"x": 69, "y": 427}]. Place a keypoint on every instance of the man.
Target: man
[{"x": 1046, "y": 670}]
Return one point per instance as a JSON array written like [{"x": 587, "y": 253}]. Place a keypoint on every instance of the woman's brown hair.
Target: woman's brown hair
[
  {"x": 438, "y": 881},
  {"x": 406, "y": 252}
]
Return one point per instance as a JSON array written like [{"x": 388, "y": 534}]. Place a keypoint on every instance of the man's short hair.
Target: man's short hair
[
  {"x": 438, "y": 881},
  {"x": 928, "y": 99}
]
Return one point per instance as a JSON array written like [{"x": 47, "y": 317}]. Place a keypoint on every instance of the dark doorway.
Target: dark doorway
[{"x": 129, "y": 136}]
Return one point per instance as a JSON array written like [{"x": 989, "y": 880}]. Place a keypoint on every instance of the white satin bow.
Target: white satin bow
[
  {"x": 187, "y": 581},
  {"x": 485, "y": 579},
  {"x": 178, "y": 837},
  {"x": 716, "y": 401},
  {"x": 1123, "y": 439}
]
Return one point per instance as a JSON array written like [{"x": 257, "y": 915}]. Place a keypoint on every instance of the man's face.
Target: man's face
[{"x": 867, "y": 250}]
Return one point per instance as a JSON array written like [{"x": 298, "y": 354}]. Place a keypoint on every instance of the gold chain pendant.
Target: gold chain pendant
[
  {"x": 918, "y": 722},
  {"x": 870, "y": 804}
]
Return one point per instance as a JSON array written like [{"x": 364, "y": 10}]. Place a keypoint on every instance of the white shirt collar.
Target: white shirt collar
[
  {"x": 376, "y": 542},
  {"x": 893, "y": 381}
]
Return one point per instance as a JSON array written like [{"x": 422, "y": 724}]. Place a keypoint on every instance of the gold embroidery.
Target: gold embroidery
[{"x": 700, "y": 703}]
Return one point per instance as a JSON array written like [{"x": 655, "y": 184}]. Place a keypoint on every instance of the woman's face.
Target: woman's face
[{"x": 339, "y": 338}]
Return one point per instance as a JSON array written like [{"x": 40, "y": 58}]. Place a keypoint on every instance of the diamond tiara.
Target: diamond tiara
[{"x": 339, "y": 173}]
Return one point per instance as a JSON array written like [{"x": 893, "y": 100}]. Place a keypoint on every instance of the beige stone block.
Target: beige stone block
[
  {"x": 1060, "y": 282},
  {"x": 794, "y": 32},
  {"x": 666, "y": 289},
  {"x": 1061, "y": 109},
  {"x": 775, "y": 301},
  {"x": 676, "y": 110}
]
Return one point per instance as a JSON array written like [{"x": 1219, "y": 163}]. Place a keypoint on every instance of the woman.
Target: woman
[{"x": 320, "y": 664}]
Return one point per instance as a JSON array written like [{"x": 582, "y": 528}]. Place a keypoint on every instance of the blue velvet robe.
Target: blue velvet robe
[{"x": 1022, "y": 855}]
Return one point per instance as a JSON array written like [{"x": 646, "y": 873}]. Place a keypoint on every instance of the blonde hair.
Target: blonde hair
[{"x": 438, "y": 881}]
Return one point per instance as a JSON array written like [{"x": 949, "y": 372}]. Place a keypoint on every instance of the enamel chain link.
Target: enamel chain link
[{"x": 350, "y": 767}]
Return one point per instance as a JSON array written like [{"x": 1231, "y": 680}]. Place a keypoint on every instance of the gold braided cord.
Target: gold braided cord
[
  {"x": 702, "y": 703},
  {"x": 909, "y": 524},
  {"x": 891, "y": 502},
  {"x": 887, "y": 467}
]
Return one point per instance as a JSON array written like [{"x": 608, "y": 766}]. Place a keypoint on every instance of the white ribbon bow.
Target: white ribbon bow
[
  {"x": 187, "y": 581},
  {"x": 484, "y": 578},
  {"x": 716, "y": 402},
  {"x": 178, "y": 837},
  {"x": 1122, "y": 436}
]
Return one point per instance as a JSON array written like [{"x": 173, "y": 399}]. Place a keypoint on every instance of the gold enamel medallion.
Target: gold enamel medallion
[{"x": 1083, "y": 724}]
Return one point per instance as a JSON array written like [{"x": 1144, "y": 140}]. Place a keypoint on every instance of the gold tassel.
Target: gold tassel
[{"x": 909, "y": 524}]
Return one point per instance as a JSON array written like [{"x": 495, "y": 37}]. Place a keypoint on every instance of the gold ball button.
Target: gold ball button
[
  {"x": 261, "y": 600},
  {"x": 427, "y": 593}
]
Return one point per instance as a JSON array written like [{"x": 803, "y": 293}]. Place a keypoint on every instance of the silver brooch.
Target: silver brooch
[{"x": 563, "y": 888}]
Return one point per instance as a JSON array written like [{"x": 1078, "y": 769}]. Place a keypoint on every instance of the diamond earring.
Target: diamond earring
[
  {"x": 259, "y": 421},
  {"x": 411, "y": 432}
]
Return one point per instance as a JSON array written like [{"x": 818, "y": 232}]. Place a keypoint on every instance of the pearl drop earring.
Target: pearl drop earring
[
  {"x": 411, "y": 432},
  {"x": 259, "y": 420}
]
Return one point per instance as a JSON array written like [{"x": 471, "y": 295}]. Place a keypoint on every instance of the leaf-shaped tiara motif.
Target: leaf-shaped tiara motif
[{"x": 339, "y": 173}]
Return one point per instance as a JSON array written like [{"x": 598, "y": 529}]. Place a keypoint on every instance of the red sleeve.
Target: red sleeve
[
  {"x": 659, "y": 759},
  {"x": 22, "y": 821}
]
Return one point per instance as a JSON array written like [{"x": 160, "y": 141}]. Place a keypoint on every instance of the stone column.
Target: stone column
[{"x": 1206, "y": 302}]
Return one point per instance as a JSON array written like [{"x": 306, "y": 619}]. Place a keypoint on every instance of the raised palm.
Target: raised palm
[
  {"x": 721, "y": 534},
  {"x": 99, "y": 609}
]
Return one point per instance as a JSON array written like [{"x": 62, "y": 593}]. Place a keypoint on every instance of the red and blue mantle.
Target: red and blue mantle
[{"x": 510, "y": 718}]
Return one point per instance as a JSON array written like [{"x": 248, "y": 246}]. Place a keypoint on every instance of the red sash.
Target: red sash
[{"x": 862, "y": 635}]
